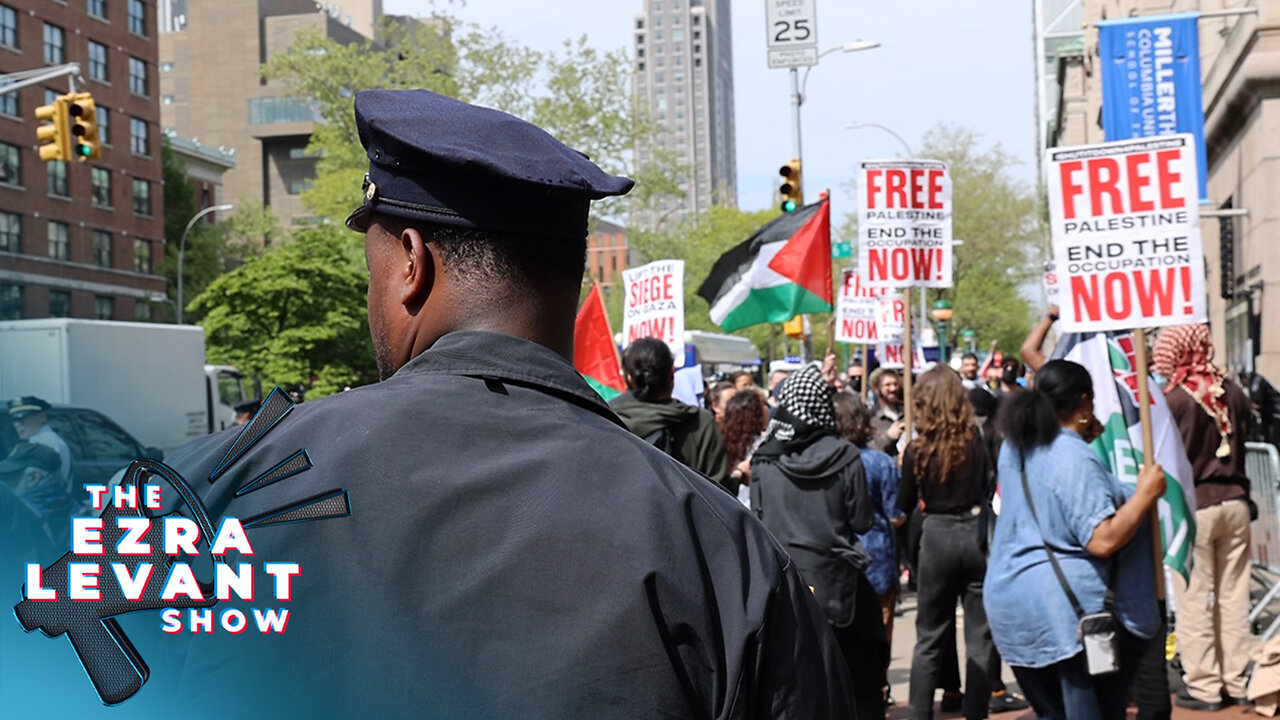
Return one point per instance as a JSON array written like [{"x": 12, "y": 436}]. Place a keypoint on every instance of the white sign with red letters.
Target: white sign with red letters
[
  {"x": 904, "y": 223},
  {"x": 1126, "y": 233}
]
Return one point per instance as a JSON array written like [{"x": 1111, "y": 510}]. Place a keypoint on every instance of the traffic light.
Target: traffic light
[
  {"x": 790, "y": 189},
  {"x": 794, "y": 327},
  {"x": 53, "y": 132},
  {"x": 82, "y": 117}
]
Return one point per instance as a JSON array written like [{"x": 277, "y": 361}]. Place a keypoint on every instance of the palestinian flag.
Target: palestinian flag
[
  {"x": 784, "y": 269},
  {"x": 1111, "y": 361},
  {"x": 594, "y": 354}
]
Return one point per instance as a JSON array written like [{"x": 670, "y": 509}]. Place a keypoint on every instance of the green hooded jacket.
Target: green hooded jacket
[{"x": 693, "y": 431}]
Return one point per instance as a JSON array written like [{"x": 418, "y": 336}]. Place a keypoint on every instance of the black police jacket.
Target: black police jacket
[{"x": 512, "y": 551}]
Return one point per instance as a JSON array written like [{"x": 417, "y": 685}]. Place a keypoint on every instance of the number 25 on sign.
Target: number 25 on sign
[{"x": 1126, "y": 233}]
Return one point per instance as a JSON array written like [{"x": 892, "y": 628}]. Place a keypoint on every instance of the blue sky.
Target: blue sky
[{"x": 967, "y": 63}]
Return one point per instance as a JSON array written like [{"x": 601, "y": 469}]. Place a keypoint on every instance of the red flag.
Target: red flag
[
  {"x": 594, "y": 354},
  {"x": 806, "y": 258}
]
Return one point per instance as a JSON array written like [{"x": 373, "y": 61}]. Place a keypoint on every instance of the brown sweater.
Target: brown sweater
[{"x": 1217, "y": 479}]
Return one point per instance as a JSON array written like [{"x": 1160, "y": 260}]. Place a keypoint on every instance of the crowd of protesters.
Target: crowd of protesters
[{"x": 995, "y": 500}]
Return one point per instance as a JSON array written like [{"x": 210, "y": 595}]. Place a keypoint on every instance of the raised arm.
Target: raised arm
[{"x": 1030, "y": 349}]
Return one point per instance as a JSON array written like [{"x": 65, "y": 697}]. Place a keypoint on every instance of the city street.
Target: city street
[{"x": 904, "y": 639}]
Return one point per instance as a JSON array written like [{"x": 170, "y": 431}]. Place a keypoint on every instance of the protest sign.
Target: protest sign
[
  {"x": 856, "y": 310},
  {"x": 655, "y": 304},
  {"x": 1052, "y": 287},
  {"x": 904, "y": 223},
  {"x": 1126, "y": 234},
  {"x": 891, "y": 317},
  {"x": 893, "y": 355}
]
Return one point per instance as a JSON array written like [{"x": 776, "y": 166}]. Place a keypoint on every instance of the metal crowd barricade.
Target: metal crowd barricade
[{"x": 1262, "y": 466}]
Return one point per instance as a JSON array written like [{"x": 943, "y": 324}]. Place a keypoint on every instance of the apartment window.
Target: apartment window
[
  {"x": 639, "y": 54},
  {"x": 639, "y": 23},
  {"x": 54, "y": 48},
  {"x": 657, "y": 78},
  {"x": 58, "y": 240},
  {"x": 696, "y": 18},
  {"x": 104, "y": 308},
  {"x": 297, "y": 187},
  {"x": 166, "y": 99},
  {"x": 676, "y": 21},
  {"x": 11, "y": 302},
  {"x": 658, "y": 63},
  {"x": 137, "y": 77},
  {"x": 657, "y": 22},
  {"x": 59, "y": 303},
  {"x": 104, "y": 125},
  {"x": 98, "y": 8},
  {"x": 102, "y": 248},
  {"x": 97, "y": 61},
  {"x": 141, "y": 197},
  {"x": 138, "y": 137},
  {"x": 697, "y": 34},
  {"x": 137, "y": 17},
  {"x": 677, "y": 35},
  {"x": 9, "y": 104},
  {"x": 10, "y": 232},
  {"x": 8, "y": 26},
  {"x": 10, "y": 164},
  {"x": 101, "y": 187},
  {"x": 166, "y": 67},
  {"x": 657, "y": 6},
  {"x": 657, "y": 35},
  {"x": 57, "y": 178},
  {"x": 265, "y": 111},
  {"x": 640, "y": 67},
  {"x": 142, "y": 256},
  {"x": 51, "y": 96},
  {"x": 142, "y": 311}
]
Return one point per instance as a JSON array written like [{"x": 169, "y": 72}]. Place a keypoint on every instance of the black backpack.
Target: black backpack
[{"x": 664, "y": 440}]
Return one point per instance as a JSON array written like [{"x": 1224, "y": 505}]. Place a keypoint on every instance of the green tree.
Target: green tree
[
  {"x": 580, "y": 95},
  {"x": 294, "y": 315},
  {"x": 996, "y": 217},
  {"x": 211, "y": 249}
]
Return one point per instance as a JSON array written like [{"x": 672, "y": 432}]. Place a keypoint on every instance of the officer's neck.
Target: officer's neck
[{"x": 530, "y": 317}]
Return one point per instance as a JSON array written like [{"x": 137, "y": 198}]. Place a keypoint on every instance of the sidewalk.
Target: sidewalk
[{"x": 904, "y": 640}]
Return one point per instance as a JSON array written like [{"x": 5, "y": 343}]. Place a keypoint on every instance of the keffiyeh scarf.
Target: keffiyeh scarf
[
  {"x": 1183, "y": 355},
  {"x": 804, "y": 406}
]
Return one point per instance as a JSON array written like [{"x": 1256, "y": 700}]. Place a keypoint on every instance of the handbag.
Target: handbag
[{"x": 1098, "y": 632}]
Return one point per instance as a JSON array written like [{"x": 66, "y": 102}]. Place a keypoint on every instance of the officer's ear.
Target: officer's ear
[{"x": 419, "y": 269}]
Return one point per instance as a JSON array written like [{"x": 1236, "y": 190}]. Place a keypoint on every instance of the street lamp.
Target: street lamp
[
  {"x": 797, "y": 93},
  {"x": 182, "y": 247},
  {"x": 942, "y": 313},
  {"x": 877, "y": 126}
]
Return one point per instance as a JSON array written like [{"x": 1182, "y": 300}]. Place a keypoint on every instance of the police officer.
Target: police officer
[
  {"x": 511, "y": 550},
  {"x": 30, "y": 418}
]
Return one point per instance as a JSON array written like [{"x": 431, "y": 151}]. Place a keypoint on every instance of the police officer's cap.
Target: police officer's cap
[
  {"x": 21, "y": 407},
  {"x": 437, "y": 160},
  {"x": 247, "y": 406}
]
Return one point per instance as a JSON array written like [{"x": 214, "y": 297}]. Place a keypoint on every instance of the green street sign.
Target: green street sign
[{"x": 842, "y": 250}]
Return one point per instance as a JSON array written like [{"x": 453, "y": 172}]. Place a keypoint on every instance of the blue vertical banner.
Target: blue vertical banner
[{"x": 1151, "y": 81}]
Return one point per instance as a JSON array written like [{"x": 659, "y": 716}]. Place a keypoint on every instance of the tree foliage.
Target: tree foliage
[
  {"x": 294, "y": 315},
  {"x": 211, "y": 249},
  {"x": 1004, "y": 243},
  {"x": 580, "y": 95}
]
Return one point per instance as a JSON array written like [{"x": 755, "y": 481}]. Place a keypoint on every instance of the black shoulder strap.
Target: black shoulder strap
[{"x": 1108, "y": 604}]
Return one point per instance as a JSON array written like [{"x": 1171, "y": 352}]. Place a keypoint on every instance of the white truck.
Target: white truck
[{"x": 149, "y": 378}]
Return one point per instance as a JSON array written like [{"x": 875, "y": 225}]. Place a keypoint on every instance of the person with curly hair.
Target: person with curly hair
[
  {"x": 947, "y": 470},
  {"x": 746, "y": 416}
]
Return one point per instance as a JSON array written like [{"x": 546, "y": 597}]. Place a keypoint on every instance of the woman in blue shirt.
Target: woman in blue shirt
[{"x": 1096, "y": 528}]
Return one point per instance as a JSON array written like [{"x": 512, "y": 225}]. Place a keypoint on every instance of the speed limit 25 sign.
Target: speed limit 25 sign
[{"x": 792, "y": 33}]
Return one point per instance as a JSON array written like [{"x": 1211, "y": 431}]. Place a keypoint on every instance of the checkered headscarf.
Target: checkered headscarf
[
  {"x": 806, "y": 397},
  {"x": 1184, "y": 355}
]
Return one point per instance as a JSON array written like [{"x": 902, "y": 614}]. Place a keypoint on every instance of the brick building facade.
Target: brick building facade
[{"x": 82, "y": 239}]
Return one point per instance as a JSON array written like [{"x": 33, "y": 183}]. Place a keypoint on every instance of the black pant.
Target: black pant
[
  {"x": 952, "y": 566},
  {"x": 1150, "y": 686},
  {"x": 1066, "y": 690},
  {"x": 866, "y": 652}
]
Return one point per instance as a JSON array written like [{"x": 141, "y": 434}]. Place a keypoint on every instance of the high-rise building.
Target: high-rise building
[
  {"x": 82, "y": 239},
  {"x": 684, "y": 76},
  {"x": 1237, "y": 229},
  {"x": 212, "y": 89}
]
